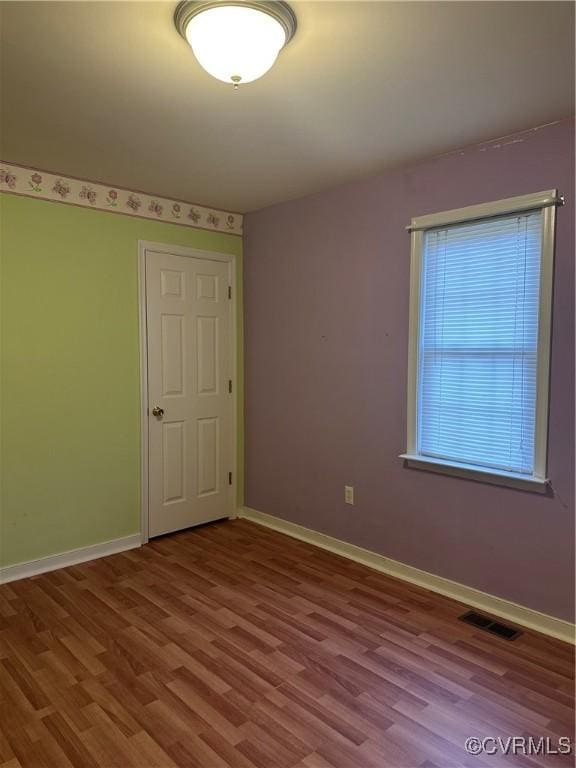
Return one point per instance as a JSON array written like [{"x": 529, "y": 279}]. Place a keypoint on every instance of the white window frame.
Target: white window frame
[{"x": 546, "y": 202}]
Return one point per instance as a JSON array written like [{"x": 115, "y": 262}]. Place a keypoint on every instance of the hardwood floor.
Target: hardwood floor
[{"x": 232, "y": 646}]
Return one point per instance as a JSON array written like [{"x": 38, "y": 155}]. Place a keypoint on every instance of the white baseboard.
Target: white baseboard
[
  {"x": 517, "y": 614},
  {"x": 72, "y": 557}
]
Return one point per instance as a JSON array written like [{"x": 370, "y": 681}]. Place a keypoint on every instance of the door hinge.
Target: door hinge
[
  {"x": 229, "y": 291},
  {"x": 230, "y": 386},
  {"x": 229, "y": 478}
]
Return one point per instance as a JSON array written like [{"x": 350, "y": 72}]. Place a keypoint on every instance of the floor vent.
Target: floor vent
[{"x": 490, "y": 625}]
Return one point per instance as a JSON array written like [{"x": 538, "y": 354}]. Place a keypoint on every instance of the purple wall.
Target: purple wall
[{"x": 326, "y": 297}]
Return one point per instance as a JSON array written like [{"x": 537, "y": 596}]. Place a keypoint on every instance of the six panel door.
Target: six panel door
[{"x": 190, "y": 411}]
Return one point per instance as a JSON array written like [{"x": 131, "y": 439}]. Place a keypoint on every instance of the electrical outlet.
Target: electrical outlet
[{"x": 349, "y": 494}]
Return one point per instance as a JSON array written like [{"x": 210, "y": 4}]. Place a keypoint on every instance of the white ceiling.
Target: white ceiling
[{"x": 109, "y": 91}]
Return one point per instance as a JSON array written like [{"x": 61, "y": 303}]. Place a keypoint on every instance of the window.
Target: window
[{"x": 480, "y": 317}]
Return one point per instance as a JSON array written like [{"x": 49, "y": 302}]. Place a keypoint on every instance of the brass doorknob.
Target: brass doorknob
[{"x": 157, "y": 411}]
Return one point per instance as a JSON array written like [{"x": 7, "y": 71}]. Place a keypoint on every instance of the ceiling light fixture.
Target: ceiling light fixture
[{"x": 233, "y": 40}]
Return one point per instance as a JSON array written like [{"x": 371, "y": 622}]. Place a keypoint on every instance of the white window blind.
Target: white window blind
[{"x": 478, "y": 339}]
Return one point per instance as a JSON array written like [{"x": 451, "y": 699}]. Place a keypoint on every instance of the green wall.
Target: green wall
[{"x": 70, "y": 387}]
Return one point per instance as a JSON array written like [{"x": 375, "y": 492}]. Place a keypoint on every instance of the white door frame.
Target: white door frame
[{"x": 192, "y": 253}]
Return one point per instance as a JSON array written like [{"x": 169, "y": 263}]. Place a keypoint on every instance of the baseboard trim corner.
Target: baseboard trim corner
[
  {"x": 71, "y": 557},
  {"x": 517, "y": 614}
]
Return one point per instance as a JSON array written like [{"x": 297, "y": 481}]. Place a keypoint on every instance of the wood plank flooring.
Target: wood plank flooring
[{"x": 232, "y": 646}]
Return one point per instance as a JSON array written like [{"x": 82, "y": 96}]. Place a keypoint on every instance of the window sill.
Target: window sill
[{"x": 493, "y": 476}]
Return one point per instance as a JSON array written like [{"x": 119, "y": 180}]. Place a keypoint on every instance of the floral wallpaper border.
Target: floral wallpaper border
[{"x": 20, "y": 180}]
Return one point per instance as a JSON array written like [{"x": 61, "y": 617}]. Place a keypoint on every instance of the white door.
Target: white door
[{"x": 190, "y": 409}]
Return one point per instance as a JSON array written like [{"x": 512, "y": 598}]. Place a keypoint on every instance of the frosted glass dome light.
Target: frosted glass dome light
[{"x": 236, "y": 42}]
